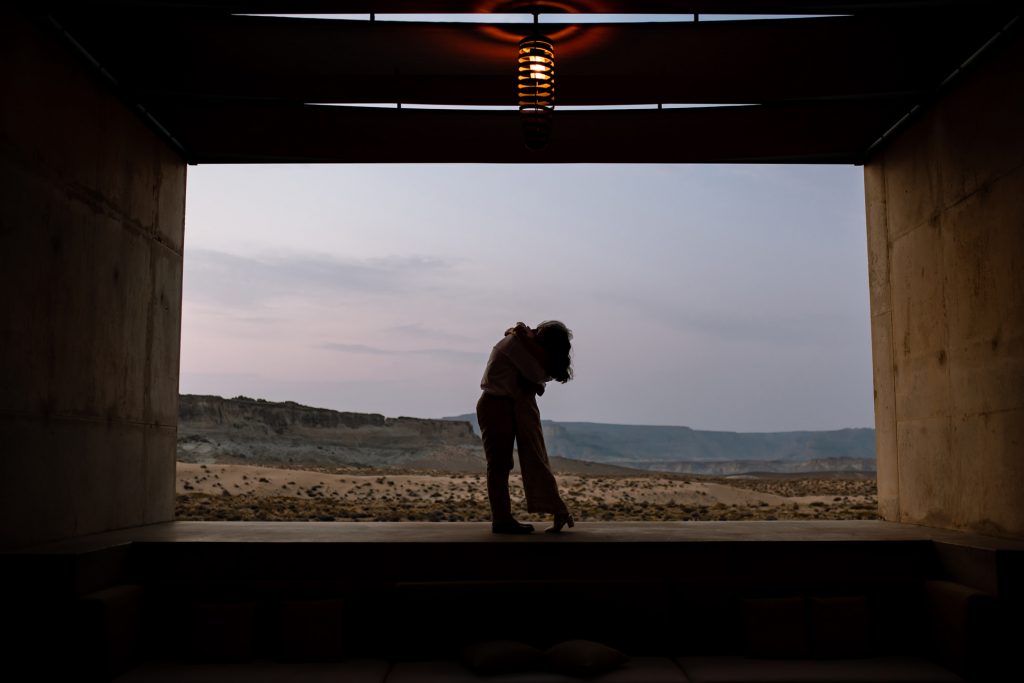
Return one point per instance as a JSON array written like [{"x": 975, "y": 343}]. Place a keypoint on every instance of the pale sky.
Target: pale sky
[{"x": 727, "y": 297}]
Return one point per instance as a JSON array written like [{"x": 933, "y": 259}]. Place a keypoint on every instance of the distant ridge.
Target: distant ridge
[
  {"x": 212, "y": 429},
  {"x": 686, "y": 450}
]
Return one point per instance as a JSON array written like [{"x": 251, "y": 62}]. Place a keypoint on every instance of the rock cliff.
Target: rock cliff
[{"x": 242, "y": 429}]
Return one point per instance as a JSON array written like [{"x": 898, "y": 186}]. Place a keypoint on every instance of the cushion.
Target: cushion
[
  {"x": 500, "y": 657},
  {"x": 635, "y": 670},
  {"x": 311, "y": 631},
  {"x": 220, "y": 632},
  {"x": 775, "y": 628},
  {"x": 959, "y": 623},
  {"x": 350, "y": 671},
  {"x": 582, "y": 658},
  {"x": 871, "y": 670},
  {"x": 839, "y": 628},
  {"x": 110, "y": 629}
]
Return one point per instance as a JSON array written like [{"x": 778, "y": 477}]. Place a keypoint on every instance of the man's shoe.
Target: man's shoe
[{"x": 511, "y": 527}]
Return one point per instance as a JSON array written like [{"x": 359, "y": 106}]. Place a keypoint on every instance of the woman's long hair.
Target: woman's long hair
[{"x": 556, "y": 340}]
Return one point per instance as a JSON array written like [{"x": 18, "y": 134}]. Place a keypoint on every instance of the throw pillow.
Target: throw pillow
[
  {"x": 220, "y": 633},
  {"x": 500, "y": 657},
  {"x": 839, "y": 628},
  {"x": 311, "y": 630},
  {"x": 776, "y": 628},
  {"x": 582, "y": 658}
]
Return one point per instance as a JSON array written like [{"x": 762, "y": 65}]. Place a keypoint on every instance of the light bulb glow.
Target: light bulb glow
[
  {"x": 536, "y": 72},
  {"x": 536, "y": 87}
]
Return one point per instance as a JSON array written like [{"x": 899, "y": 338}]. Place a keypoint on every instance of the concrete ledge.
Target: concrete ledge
[
  {"x": 730, "y": 557},
  {"x": 479, "y": 532}
]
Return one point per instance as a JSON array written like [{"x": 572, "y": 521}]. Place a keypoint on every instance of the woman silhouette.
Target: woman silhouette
[{"x": 507, "y": 411}]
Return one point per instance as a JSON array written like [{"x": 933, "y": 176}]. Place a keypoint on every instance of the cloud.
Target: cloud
[
  {"x": 451, "y": 354},
  {"x": 802, "y": 324},
  {"x": 420, "y": 331},
  {"x": 249, "y": 281}
]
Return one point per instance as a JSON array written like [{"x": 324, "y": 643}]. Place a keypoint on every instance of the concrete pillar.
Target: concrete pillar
[
  {"x": 945, "y": 215},
  {"x": 91, "y": 224}
]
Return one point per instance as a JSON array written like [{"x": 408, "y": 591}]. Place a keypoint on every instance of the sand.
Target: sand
[{"x": 246, "y": 492}]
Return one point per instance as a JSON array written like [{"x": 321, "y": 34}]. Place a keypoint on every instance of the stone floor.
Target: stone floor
[{"x": 476, "y": 532}]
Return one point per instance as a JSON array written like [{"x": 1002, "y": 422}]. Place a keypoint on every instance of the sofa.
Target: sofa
[{"x": 927, "y": 631}]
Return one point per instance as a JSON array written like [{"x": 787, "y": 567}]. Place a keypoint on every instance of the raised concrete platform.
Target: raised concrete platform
[
  {"x": 730, "y": 555},
  {"x": 478, "y": 532}
]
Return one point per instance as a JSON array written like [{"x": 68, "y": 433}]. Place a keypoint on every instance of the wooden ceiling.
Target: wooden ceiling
[{"x": 226, "y": 87}]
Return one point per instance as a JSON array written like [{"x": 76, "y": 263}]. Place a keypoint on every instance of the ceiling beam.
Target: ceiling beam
[
  {"x": 323, "y": 134},
  {"x": 743, "y": 62},
  {"x": 763, "y": 7}
]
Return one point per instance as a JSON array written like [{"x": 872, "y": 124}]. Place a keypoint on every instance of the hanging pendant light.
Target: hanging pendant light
[{"x": 536, "y": 88}]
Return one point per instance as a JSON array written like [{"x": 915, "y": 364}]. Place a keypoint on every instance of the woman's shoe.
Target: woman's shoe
[
  {"x": 511, "y": 527},
  {"x": 561, "y": 519}
]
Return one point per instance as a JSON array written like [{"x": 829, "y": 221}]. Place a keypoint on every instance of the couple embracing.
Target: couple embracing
[{"x": 516, "y": 372}]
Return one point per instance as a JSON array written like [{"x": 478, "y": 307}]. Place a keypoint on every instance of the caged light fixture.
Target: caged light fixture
[{"x": 536, "y": 88}]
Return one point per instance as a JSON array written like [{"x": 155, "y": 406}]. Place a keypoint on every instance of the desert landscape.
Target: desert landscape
[
  {"x": 247, "y": 492},
  {"x": 249, "y": 459}
]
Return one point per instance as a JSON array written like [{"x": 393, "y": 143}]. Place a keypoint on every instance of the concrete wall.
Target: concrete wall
[
  {"x": 91, "y": 225},
  {"x": 945, "y": 214}
]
